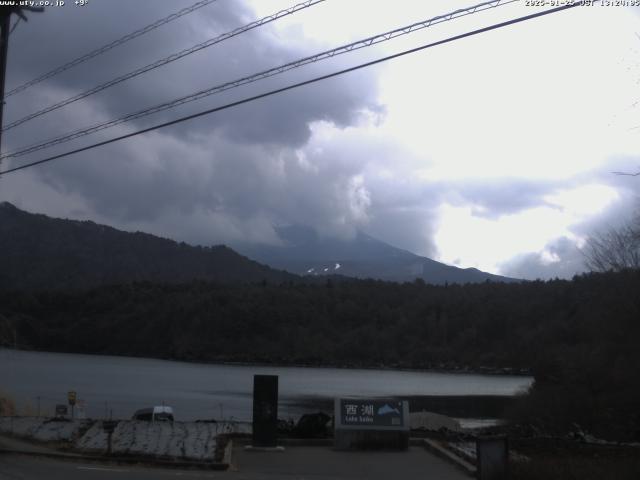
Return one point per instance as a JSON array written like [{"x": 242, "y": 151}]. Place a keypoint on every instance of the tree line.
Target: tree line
[{"x": 578, "y": 337}]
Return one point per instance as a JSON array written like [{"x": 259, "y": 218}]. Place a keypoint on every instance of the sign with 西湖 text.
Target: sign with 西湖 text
[
  {"x": 370, "y": 412},
  {"x": 370, "y": 423}
]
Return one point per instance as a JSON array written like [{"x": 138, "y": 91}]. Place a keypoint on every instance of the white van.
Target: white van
[{"x": 154, "y": 414}]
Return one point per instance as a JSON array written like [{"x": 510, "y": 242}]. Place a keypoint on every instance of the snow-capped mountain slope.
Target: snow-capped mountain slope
[{"x": 305, "y": 252}]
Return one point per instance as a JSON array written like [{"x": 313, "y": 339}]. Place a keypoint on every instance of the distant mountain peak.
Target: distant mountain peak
[{"x": 306, "y": 252}]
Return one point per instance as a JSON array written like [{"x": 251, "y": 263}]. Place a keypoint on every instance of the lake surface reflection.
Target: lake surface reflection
[{"x": 204, "y": 391}]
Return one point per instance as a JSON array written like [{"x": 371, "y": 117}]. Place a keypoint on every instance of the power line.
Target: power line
[
  {"x": 109, "y": 46},
  {"x": 297, "y": 85},
  {"x": 5, "y": 21},
  {"x": 166, "y": 60},
  {"x": 383, "y": 37}
]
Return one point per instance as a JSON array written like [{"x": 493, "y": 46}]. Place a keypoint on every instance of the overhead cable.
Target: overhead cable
[
  {"x": 109, "y": 46},
  {"x": 166, "y": 60},
  {"x": 258, "y": 76},
  {"x": 296, "y": 85}
]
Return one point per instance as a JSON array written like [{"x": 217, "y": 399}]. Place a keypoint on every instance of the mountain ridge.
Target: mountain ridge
[
  {"x": 304, "y": 251},
  {"x": 41, "y": 252}
]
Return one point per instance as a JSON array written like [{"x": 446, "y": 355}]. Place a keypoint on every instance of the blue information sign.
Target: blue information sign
[{"x": 364, "y": 412}]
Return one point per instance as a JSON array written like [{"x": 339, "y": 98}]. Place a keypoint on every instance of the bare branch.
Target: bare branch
[{"x": 615, "y": 249}]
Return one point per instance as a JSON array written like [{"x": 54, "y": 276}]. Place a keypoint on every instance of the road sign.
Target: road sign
[
  {"x": 109, "y": 425},
  {"x": 370, "y": 412},
  {"x": 364, "y": 423}
]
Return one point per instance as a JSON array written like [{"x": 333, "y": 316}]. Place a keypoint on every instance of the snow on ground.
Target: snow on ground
[
  {"x": 475, "y": 423},
  {"x": 44, "y": 429},
  {"x": 183, "y": 440},
  {"x": 433, "y": 421},
  {"x": 177, "y": 440},
  {"x": 466, "y": 450}
]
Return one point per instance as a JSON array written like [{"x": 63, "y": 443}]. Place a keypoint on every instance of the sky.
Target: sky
[{"x": 494, "y": 151}]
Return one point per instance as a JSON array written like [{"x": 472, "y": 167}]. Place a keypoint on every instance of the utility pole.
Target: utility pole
[
  {"x": 5, "y": 24},
  {"x": 4, "y": 48}
]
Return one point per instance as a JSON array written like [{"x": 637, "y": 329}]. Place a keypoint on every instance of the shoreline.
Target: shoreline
[{"x": 449, "y": 370}]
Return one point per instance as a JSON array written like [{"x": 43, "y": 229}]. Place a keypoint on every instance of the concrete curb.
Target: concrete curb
[
  {"x": 452, "y": 458},
  {"x": 294, "y": 442},
  {"x": 33, "y": 453},
  {"x": 228, "y": 450},
  {"x": 151, "y": 461},
  {"x": 306, "y": 442}
]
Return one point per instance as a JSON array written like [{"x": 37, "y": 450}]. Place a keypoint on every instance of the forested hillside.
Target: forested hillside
[
  {"x": 42, "y": 252},
  {"x": 579, "y": 337}
]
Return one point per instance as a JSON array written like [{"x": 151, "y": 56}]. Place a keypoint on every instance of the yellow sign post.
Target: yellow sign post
[{"x": 71, "y": 396}]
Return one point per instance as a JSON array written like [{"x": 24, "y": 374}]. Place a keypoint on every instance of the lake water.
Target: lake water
[{"x": 205, "y": 391}]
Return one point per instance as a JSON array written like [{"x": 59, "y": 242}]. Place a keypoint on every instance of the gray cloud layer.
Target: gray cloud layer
[
  {"x": 234, "y": 175},
  {"x": 239, "y": 170}
]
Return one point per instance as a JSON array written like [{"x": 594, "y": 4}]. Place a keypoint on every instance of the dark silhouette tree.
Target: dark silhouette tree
[{"x": 614, "y": 249}]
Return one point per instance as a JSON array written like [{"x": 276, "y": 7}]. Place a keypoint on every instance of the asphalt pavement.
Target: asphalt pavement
[
  {"x": 24, "y": 467},
  {"x": 299, "y": 463},
  {"x": 295, "y": 462},
  {"x": 324, "y": 463}
]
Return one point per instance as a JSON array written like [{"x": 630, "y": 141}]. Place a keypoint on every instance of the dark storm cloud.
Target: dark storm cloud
[
  {"x": 562, "y": 259},
  {"x": 62, "y": 34},
  {"x": 155, "y": 178},
  {"x": 408, "y": 228},
  {"x": 224, "y": 176},
  {"x": 232, "y": 176},
  {"x": 492, "y": 198},
  {"x": 271, "y": 120}
]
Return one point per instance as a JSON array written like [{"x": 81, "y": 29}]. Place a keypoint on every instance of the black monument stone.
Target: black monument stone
[{"x": 265, "y": 410}]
